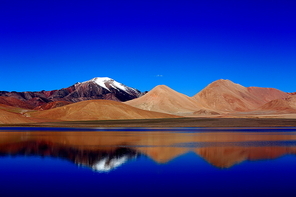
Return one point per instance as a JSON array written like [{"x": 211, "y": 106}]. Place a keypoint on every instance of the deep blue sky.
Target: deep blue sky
[{"x": 46, "y": 45}]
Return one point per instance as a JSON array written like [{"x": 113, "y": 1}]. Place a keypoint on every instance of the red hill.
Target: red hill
[{"x": 224, "y": 95}]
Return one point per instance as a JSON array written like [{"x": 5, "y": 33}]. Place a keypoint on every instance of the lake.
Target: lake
[{"x": 147, "y": 161}]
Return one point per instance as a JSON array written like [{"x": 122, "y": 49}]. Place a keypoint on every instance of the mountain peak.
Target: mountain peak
[
  {"x": 104, "y": 79},
  {"x": 109, "y": 83},
  {"x": 123, "y": 92},
  {"x": 101, "y": 81},
  {"x": 225, "y": 95},
  {"x": 224, "y": 82},
  {"x": 161, "y": 88},
  {"x": 166, "y": 100}
]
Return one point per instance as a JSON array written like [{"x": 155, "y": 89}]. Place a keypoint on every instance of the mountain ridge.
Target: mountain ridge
[
  {"x": 225, "y": 95},
  {"x": 220, "y": 98},
  {"x": 95, "y": 88},
  {"x": 166, "y": 100}
]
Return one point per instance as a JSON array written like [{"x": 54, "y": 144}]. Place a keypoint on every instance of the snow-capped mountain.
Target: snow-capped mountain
[
  {"x": 106, "y": 81},
  {"x": 96, "y": 88},
  {"x": 102, "y": 88},
  {"x": 111, "y": 85}
]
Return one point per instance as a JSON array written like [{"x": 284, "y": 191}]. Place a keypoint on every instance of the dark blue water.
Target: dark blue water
[{"x": 38, "y": 166}]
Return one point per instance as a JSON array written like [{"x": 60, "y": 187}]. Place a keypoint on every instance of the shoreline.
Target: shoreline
[{"x": 169, "y": 122}]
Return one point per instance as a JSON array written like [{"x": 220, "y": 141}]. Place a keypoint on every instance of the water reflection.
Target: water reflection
[
  {"x": 104, "y": 151},
  {"x": 98, "y": 160}
]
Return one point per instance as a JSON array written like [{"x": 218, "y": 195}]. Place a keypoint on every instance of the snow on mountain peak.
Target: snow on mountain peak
[
  {"x": 116, "y": 85},
  {"x": 102, "y": 81}
]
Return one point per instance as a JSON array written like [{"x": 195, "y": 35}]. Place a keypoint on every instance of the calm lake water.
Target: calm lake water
[{"x": 147, "y": 162}]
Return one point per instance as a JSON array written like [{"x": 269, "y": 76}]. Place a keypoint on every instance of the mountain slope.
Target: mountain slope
[
  {"x": 52, "y": 105},
  {"x": 224, "y": 95},
  {"x": 97, "y": 110},
  {"x": 166, "y": 100},
  {"x": 11, "y": 101},
  {"x": 285, "y": 105},
  {"x": 7, "y": 117}
]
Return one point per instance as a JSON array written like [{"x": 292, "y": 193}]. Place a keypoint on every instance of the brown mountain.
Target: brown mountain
[
  {"x": 97, "y": 110},
  {"x": 166, "y": 100},
  {"x": 224, "y": 95},
  {"x": 219, "y": 97},
  {"x": 96, "y": 88}
]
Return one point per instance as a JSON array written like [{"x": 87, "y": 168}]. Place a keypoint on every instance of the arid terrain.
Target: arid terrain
[
  {"x": 97, "y": 110},
  {"x": 220, "y": 104},
  {"x": 166, "y": 100}
]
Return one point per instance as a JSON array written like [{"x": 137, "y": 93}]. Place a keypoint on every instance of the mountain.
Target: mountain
[
  {"x": 166, "y": 100},
  {"x": 226, "y": 96},
  {"x": 97, "y": 110},
  {"x": 102, "y": 88},
  {"x": 96, "y": 88},
  {"x": 219, "y": 97}
]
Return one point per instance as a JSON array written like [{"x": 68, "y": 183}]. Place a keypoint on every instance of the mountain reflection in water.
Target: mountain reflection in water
[
  {"x": 209, "y": 162},
  {"x": 104, "y": 151},
  {"x": 98, "y": 160}
]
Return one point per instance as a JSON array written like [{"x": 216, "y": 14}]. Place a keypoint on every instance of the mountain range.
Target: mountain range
[
  {"x": 96, "y": 88},
  {"x": 103, "y": 98},
  {"x": 219, "y": 97}
]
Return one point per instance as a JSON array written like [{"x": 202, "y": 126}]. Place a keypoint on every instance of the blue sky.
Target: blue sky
[{"x": 46, "y": 45}]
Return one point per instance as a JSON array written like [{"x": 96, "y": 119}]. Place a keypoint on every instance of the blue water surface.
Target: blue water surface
[{"x": 186, "y": 175}]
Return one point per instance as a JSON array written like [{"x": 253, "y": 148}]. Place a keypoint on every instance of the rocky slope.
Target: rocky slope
[{"x": 11, "y": 101}]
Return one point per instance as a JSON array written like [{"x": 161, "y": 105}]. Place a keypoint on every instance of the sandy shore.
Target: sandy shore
[{"x": 173, "y": 122}]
